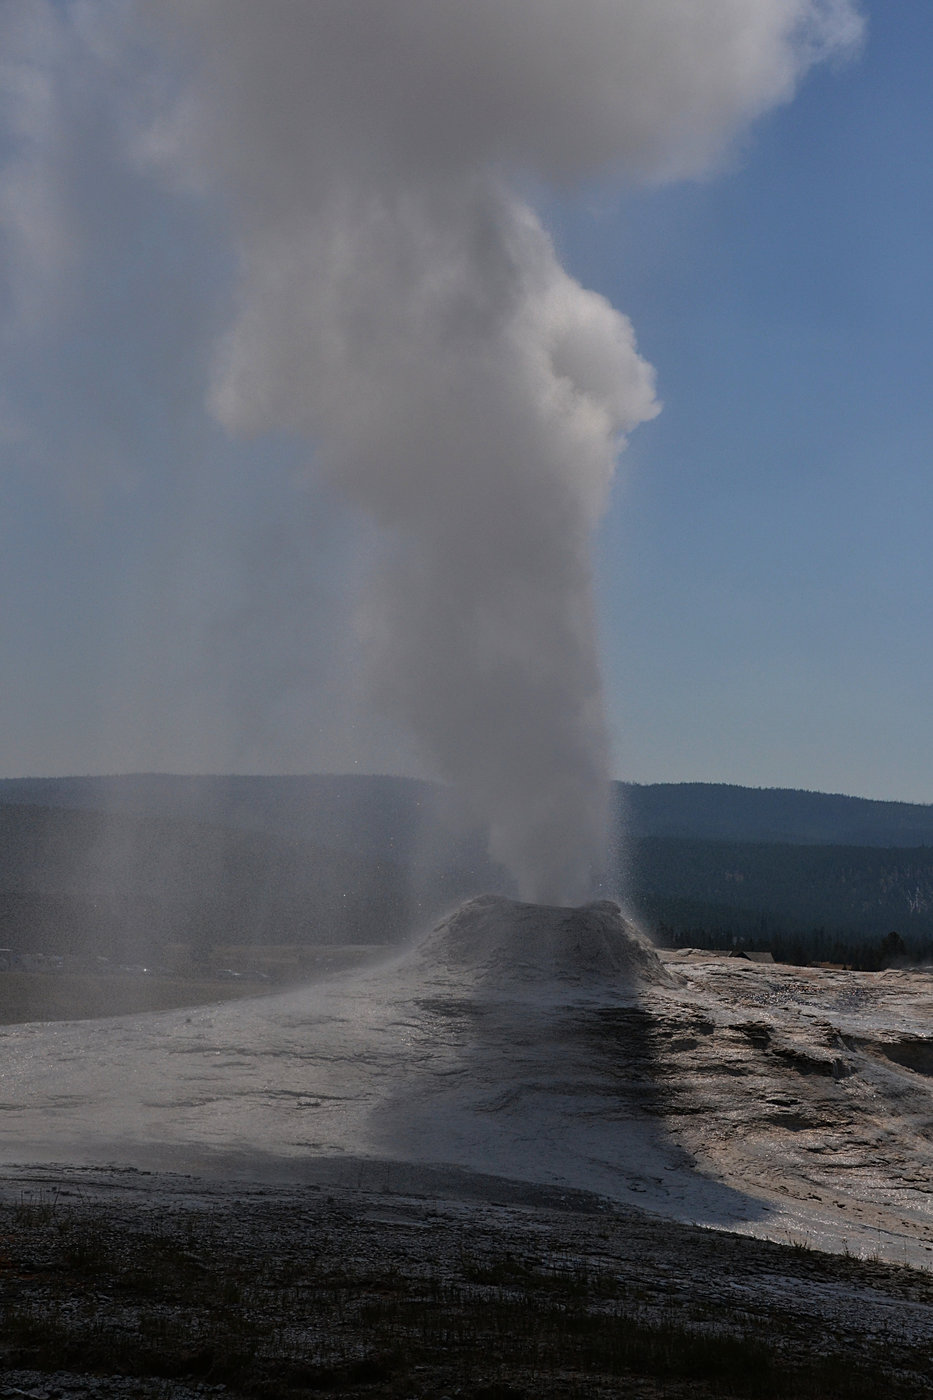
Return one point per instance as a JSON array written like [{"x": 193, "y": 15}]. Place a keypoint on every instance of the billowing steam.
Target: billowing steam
[{"x": 400, "y": 305}]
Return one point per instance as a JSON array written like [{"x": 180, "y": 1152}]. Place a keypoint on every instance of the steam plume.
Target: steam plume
[{"x": 402, "y": 307}]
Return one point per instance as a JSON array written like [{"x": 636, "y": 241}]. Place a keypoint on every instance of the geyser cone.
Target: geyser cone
[{"x": 502, "y": 944}]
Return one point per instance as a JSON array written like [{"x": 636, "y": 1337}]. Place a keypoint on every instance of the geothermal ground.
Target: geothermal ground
[{"x": 538, "y": 1079}]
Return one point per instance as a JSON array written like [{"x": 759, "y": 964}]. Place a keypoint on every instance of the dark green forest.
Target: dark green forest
[
  {"x": 122, "y": 866},
  {"x": 790, "y": 816},
  {"x": 122, "y": 886},
  {"x": 803, "y": 903}
]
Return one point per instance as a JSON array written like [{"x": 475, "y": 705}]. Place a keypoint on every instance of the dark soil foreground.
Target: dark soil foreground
[{"x": 125, "y": 1285}]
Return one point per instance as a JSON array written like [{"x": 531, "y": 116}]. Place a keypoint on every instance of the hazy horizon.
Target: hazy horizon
[{"x": 422, "y": 778}]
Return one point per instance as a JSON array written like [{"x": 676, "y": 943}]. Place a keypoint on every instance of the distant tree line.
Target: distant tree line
[
  {"x": 809, "y": 948},
  {"x": 802, "y": 903}
]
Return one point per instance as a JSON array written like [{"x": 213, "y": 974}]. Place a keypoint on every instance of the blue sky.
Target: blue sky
[
  {"x": 174, "y": 600},
  {"x": 766, "y": 573}
]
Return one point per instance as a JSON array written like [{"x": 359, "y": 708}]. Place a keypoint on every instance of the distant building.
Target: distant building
[{"x": 754, "y": 957}]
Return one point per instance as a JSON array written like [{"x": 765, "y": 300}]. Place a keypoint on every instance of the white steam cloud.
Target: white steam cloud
[
  {"x": 468, "y": 395},
  {"x": 401, "y": 306}
]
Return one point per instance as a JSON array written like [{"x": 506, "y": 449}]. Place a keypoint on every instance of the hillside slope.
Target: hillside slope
[
  {"x": 717, "y": 892},
  {"x": 400, "y": 817},
  {"x": 121, "y": 885},
  {"x": 121, "y": 864},
  {"x": 722, "y": 812}
]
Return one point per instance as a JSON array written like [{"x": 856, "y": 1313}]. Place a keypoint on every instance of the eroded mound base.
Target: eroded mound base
[{"x": 508, "y": 945}]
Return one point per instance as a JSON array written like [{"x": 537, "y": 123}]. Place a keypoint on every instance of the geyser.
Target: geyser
[
  {"x": 400, "y": 307},
  {"x": 539, "y": 1044}
]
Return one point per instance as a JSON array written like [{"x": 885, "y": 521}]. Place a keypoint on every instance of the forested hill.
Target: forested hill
[
  {"x": 717, "y": 866},
  {"x": 377, "y": 815},
  {"x": 722, "y": 812},
  {"x": 390, "y": 816},
  {"x": 715, "y": 893},
  {"x": 122, "y": 886},
  {"x": 152, "y": 857}
]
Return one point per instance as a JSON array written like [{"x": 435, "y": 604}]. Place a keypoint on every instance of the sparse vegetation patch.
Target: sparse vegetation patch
[{"x": 304, "y": 1293}]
